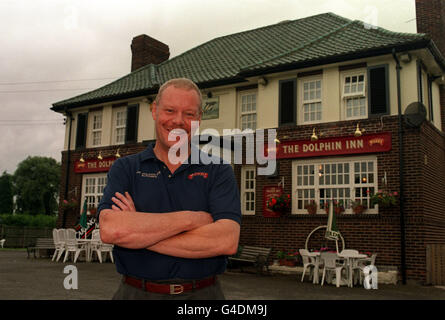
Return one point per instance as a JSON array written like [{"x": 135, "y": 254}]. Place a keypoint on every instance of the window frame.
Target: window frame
[
  {"x": 246, "y": 113},
  {"x": 302, "y": 102},
  {"x": 93, "y": 130},
  {"x": 351, "y": 96},
  {"x": 317, "y": 186},
  {"x": 115, "y": 127},
  {"x": 86, "y": 193},
  {"x": 244, "y": 190}
]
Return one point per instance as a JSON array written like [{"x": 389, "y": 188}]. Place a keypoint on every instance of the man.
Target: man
[{"x": 172, "y": 224}]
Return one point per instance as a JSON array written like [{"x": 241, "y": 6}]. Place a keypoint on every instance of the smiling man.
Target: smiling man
[{"x": 172, "y": 224}]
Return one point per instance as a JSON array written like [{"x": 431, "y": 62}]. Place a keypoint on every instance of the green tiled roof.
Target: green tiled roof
[{"x": 268, "y": 49}]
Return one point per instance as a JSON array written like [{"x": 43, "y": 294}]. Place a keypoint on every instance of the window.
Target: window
[
  {"x": 81, "y": 135},
  {"x": 430, "y": 99},
  {"x": 339, "y": 179},
  {"x": 378, "y": 88},
  {"x": 287, "y": 102},
  {"x": 248, "y": 111},
  {"x": 354, "y": 95},
  {"x": 92, "y": 189},
  {"x": 248, "y": 189},
  {"x": 312, "y": 106},
  {"x": 96, "y": 131},
  {"x": 119, "y": 125}
]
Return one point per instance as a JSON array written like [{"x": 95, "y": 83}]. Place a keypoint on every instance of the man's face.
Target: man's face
[{"x": 176, "y": 110}]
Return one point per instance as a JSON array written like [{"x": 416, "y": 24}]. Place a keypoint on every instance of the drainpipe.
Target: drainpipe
[
  {"x": 67, "y": 177},
  {"x": 401, "y": 168}
]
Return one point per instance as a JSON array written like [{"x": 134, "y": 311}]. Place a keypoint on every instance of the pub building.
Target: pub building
[{"x": 340, "y": 95}]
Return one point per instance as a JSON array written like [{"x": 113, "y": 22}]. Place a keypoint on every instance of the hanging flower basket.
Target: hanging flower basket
[
  {"x": 279, "y": 204},
  {"x": 384, "y": 199}
]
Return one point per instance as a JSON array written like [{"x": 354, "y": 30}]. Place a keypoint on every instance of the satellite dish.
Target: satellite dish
[{"x": 415, "y": 114}]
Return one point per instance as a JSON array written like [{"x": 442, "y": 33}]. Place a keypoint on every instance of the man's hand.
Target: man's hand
[{"x": 123, "y": 203}]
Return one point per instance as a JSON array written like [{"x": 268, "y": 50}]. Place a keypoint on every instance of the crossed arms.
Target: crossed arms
[{"x": 185, "y": 234}]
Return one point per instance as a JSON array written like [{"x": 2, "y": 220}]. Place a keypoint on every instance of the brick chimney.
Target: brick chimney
[
  {"x": 146, "y": 50},
  {"x": 430, "y": 17}
]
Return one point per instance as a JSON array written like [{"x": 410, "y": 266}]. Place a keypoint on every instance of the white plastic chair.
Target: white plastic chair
[
  {"x": 2, "y": 242},
  {"x": 99, "y": 247},
  {"x": 56, "y": 243},
  {"x": 71, "y": 245},
  {"x": 61, "y": 236},
  {"x": 308, "y": 263},
  {"x": 331, "y": 264}
]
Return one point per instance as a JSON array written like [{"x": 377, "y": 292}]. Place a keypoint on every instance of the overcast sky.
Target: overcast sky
[{"x": 51, "y": 50}]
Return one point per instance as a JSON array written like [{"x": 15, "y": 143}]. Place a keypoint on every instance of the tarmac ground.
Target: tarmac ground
[{"x": 23, "y": 278}]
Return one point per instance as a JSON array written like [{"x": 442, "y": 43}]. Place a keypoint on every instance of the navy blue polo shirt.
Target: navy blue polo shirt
[{"x": 196, "y": 187}]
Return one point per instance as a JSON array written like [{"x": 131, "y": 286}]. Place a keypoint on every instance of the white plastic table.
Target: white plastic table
[
  {"x": 87, "y": 243},
  {"x": 350, "y": 259}
]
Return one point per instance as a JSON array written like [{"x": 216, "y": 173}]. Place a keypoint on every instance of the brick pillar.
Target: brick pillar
[{"x": 430, "y": 17}]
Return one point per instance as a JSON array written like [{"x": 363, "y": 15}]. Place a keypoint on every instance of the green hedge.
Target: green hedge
[{"x": 25, "y": 220}]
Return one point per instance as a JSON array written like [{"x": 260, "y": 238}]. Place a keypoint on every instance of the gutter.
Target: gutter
[
  {"x": 67, "y": 177},
  {"x": 401, "y": 168}
]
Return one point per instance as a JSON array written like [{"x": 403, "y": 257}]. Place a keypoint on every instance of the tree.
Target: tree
[
  {"x": 6, "y": 195},
  {"x": 36, "y": 184}
]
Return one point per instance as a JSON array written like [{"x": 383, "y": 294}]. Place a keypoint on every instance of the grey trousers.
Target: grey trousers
[{"x": 127, "y": 292}]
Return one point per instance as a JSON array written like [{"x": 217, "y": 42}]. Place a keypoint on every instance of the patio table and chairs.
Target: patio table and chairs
[
  {"x": 352, "y": 259},
  {"x": 347, "y": 265}
]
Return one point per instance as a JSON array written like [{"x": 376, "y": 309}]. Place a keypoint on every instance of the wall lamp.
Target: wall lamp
[
  {"x": 358, "y": 132},
  {"x": 314, "y": 136}
]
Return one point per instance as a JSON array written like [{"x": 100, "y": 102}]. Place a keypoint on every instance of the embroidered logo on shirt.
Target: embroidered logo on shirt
[
  {"x": 149, "y": 174},
  {"x": 205, "y": 175}
]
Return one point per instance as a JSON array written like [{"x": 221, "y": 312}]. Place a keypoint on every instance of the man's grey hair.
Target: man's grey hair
[{"x": 181, "y": 83}]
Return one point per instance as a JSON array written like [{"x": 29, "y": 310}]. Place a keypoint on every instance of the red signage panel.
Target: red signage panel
[
  {"x": 268, "y": 193},
  {"x": 333, "y": 146},
  {"x": 93, "y": 165}
]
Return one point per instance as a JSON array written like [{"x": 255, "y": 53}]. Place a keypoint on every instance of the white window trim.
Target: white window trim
[
  {"x": 95, "y": 176},
  {"x": 240, "y": 107},
  {"x": 316, "y": 163},
  {"x": 302, "y": 102},
  {"x": 114, "y": 127},
  {"x": 91, "y": 131},
  {"x": 346, "y": 96},
  {"x": 244, "y": 189}
]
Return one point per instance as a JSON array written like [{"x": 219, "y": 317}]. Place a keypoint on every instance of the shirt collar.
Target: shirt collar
[{"x": 148, "y": 153}]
